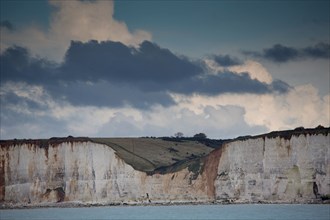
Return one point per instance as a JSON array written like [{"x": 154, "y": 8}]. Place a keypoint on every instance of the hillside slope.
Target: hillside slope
[{"x": 149, "y": 154}]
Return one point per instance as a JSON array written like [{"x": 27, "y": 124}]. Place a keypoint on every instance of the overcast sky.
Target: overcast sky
[{"x": 154, "y": 68}]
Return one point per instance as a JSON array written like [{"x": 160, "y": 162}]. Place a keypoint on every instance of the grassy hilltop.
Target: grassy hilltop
[{"x": 150, "y": 154}]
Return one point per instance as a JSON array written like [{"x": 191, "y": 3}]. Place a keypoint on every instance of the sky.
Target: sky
[{"x": 155, "y": 68}]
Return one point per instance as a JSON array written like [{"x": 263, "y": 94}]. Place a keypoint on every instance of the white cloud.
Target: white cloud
[
  {"x": 255, "y": 70},
  {"x": 73, "y": 20},
  {"x": 302, "y": 106},
  {"x": 213, "y": 67},
  {"x": 29, "y": 93}
]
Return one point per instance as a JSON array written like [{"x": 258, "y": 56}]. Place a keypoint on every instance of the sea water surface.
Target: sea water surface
[{"x": 237, "y": 212}]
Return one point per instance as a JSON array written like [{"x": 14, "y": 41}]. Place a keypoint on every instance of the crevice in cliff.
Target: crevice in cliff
[
  {"x": 263, "y": 146},
  {"x": 2, "y": 180},
  {"x": 316, "y": 190}
]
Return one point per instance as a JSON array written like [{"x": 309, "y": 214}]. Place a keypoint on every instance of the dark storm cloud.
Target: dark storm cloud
[
  {"x": 225, "y": 82},
  {"x": 110, "y": 94},
  {"x": 113, "y": 74},
  {"x": 320, "y": 50},
  {"x": 115, "y": 61},
  {"x": 281, "y": 54},
  {"x": 226, "y": 60},
  {"x": 278, "y": 53},
  {"x": 7, "y": 24},
  {"x": 17, "y": 65}
]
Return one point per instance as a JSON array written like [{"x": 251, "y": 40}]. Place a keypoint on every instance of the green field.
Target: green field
[{"x": 150, "y": 154}]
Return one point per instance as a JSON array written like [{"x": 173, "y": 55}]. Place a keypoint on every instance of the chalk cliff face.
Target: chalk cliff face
[
  {"x": 86, "y": 172},
  {"x": 267, "y": 169},
  {"x": 275, "y": 169}
]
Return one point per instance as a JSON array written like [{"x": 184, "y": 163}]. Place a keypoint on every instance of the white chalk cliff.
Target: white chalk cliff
[{"x": 265, "y": 168}]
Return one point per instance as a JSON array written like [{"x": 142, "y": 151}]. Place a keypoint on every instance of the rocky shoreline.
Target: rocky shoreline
[{"x": 176, "y": 203}]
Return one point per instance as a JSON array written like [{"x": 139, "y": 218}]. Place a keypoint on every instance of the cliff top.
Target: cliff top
[{"x": 287, "y": 134}]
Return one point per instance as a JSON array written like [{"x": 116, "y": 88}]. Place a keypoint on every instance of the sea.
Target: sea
[{"x": 233, "y": 212}]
